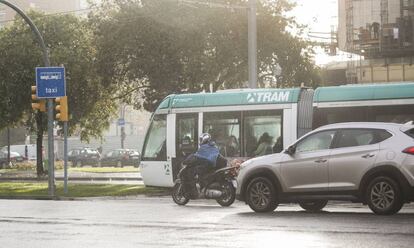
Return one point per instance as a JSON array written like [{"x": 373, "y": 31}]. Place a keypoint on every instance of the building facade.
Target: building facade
[{"x": 381, "y": 35}]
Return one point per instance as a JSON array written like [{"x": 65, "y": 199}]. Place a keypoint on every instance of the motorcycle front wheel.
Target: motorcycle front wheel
[
  {"x": 229, "y": 194},
  {"x": 179, "y": 195}
]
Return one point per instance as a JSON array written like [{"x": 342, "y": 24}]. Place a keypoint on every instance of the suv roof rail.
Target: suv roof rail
[
  {"x": 409, "y": 123},
  {"x": 407, "y": 126}
]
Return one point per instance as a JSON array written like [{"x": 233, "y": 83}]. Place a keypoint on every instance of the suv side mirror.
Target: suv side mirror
[{"x": 291, "y": 150}]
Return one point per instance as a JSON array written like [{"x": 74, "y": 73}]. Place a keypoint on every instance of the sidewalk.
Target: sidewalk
[{"x": 72, "y": 176}]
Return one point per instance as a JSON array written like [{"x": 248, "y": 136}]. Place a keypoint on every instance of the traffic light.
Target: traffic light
[
  {"x": 37, "y": 104},
  {"x": 62, "y": 108}
]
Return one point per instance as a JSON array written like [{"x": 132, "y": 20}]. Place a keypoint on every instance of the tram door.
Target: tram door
[{"x": 186, "y": 138}]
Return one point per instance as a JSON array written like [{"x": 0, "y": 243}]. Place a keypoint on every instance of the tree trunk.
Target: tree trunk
[{"x": 39, "y": 145}]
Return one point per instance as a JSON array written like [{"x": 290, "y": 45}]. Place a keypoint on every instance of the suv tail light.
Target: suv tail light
[{"x": 409, "y": 150}]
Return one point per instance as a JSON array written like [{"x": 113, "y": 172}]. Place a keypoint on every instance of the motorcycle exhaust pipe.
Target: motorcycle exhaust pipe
[{"x": 213, "y": 194}]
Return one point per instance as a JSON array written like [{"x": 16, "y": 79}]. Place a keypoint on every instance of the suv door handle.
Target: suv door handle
[
  {"x": 369, "y": 155},
  {"x": 321, "y": 160}
]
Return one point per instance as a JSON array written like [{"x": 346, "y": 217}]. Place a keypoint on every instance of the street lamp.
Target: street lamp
[{"x": 51, "y": 181}]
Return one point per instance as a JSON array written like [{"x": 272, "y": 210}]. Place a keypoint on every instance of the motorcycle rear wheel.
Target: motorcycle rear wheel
[
  {"x": 229, "y": 194},
  {"x": 179, "y": 195}
]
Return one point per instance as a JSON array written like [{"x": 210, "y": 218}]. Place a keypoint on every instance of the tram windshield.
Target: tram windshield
[{"x": 155, "y": 142}]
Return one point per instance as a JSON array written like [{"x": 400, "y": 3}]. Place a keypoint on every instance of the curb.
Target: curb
[
  {"x": 66, "y": 198},
  {"x": 42, "y": 198}
]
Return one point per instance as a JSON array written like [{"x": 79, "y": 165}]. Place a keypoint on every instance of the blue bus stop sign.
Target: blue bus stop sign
[{"x": 50, "y": 82}]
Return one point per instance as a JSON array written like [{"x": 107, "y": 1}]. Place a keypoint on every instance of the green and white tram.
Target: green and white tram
[
  {"x": 374, "y": 102},
  {"x": 238, "y": 119},
  {"x": 235, "y": 119}
]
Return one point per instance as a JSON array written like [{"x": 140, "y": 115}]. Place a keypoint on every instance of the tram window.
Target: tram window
[
  {"x": 155, "y": 143},
  {"x": 343, "y": 114},
  {"x": 263, "y": 134},
  {"x": 346, "y": 115},
  {"x": 187, "y": 135},
  {"x": 224, "y": 129},
  {"x": 395, "y": 114}
]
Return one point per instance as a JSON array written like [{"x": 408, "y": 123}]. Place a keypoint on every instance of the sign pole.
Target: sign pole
[
  {"x": 252, "y": 44},
  {"x": 50, "y": 84},
  {"x": 65, "y": 156},
  {"x": 50, "y": 145}
]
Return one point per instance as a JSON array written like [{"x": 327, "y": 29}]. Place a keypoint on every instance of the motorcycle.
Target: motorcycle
[{"x": 219, "y": 185}]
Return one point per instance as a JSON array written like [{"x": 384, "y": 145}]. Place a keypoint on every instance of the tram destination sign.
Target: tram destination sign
[{"x": 50, "y": 82}]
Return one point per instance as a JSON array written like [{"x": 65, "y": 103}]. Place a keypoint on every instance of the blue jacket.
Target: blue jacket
[{"x": 208, "y": 152}]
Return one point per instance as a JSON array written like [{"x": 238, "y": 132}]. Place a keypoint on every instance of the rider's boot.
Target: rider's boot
[{"x": 192, "y": 189}]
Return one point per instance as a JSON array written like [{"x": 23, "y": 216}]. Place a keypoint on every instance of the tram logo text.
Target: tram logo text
[{"x": 265, "y": 97}]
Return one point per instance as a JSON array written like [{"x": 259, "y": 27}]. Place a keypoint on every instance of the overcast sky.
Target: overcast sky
[{"x": 320, "y": 15}]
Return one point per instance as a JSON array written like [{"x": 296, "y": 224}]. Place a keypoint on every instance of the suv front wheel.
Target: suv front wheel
[
  {"x": 384, "y": 196},
  {"x": 261, "y": 195}
]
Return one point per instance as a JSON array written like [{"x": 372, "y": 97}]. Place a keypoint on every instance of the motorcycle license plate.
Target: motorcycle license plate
[{"x": 234, "y": 182}]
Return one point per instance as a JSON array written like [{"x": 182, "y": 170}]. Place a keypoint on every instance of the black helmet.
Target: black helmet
[{"x": 204, "y": 138}]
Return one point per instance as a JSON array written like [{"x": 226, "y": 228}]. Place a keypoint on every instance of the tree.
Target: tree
[
  {"x": 159, "y": 47},
  {"x": 70, "y": 43}
]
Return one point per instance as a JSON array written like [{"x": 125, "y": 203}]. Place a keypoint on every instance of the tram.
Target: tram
[{"x": 239, "y": 119}]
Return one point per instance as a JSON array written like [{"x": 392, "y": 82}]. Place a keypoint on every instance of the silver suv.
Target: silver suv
[{"x": 370, "y": 163}]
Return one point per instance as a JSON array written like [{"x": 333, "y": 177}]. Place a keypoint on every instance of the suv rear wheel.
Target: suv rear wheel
[
  {"x": 313, "y": 206},
  {"x": 261, "y": 195},
  {"x": 384, "y": 196}
]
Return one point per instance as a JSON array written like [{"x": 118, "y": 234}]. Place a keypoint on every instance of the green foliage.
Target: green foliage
[
  {"x": 16, "y": 189},
  {"x": 159, "y": 47},
  {"x": 70, "y": 43},
  {"x": 139, "y": 51}
]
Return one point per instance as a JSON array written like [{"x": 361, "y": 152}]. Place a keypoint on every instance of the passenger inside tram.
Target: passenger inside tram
[
  {"x": 265, "y": 145},
  {"x": 232, "y": 146}
]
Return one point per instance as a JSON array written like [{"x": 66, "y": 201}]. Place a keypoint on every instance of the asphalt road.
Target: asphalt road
[{"x": 158, "y": 222}]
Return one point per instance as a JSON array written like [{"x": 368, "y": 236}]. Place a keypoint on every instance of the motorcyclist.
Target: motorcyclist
[{"x": 206, "y": 159}]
